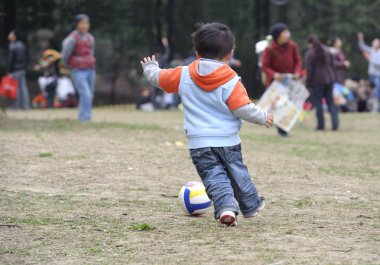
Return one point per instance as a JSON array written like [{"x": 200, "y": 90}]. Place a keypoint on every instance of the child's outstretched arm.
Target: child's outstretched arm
[
  {"x": 166, "y": 79},
  {"x": 253, "y": 114},
  {"x": 241, "y": 105},
  {"x": 151, "y": 70}
]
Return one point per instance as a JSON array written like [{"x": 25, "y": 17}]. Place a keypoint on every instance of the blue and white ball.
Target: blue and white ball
[{"x": 193, "y": 198}]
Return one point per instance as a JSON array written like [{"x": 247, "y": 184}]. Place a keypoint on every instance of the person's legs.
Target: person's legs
[
  {"x": 214, "y": 176},
  {"x": 50, "y": 90},
  {"x": 333, "y": 109},
  {"x": 91, "y": 80},
  {"x": 244, "y": 189},
  {"x": 91, "y": 83},
  {"x": 374, "y": 97},
  {"x": 377, "y": 90},
  {"x": 17, "y": 101},
  {"x": 25, "y": 100},
  {"x": 82, "y": 85},
  {"x": 22, "y": 98},
  {"x": 317, "y": 95}
]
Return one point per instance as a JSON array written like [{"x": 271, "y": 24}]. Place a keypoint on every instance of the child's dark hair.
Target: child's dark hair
[{"x": 213, "y": 40}]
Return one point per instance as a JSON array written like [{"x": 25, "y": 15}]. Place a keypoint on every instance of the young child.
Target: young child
[{"x": 214, "y": 102}]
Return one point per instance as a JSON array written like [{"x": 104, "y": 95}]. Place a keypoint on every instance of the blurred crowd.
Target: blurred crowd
[
  {"x": 324, "y": 71},
  {"x": 350, "y": 94},
  {"x": 67, "y": 77},
  {"x": 154, "y": 98}
]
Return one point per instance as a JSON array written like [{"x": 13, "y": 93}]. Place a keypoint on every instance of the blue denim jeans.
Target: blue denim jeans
[
  {"x": 376, "y": 80},
  {"x": 22, "y": 99},
  {"x": 226, "y": 178},
  {"x": 84, "y": 80}
]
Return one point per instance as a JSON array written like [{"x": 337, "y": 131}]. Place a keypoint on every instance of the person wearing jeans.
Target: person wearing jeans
[
  {"x": 214, "y": 103},
  {"x": 320, "y": 79},
  {"x": 78, "y": 55},
  {"x": 16, "y": 66},
  {"x": 84, "y": 83},
  {"x": 226, "y": 179}
]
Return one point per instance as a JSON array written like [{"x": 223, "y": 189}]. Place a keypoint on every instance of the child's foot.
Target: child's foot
[
  {"x": 228, "y": 218},
  {"x": 259, "y": 209}
]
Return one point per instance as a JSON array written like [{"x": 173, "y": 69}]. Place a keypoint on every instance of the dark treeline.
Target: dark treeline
[{"x": 125, "y": 30}]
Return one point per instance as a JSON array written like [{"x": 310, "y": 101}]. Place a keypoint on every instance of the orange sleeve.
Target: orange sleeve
[
  {"x": 238, "y": 97},
  {"x": 169, "y": 79}
]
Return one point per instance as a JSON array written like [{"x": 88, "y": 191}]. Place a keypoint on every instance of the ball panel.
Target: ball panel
[
  {"x": 193, "y": 198},
  {"x": 197, "y": 192},
  {"x": 199, "y": 199}
]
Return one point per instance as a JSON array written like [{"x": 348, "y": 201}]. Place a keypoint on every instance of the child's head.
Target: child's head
[{"x": 214, "y": 41}]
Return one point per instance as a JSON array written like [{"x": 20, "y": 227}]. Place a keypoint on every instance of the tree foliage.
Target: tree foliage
[{"x": 125, "y": 30}]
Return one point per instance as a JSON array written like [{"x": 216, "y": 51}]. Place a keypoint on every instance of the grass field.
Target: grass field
[{"x": 105, "y": 193}]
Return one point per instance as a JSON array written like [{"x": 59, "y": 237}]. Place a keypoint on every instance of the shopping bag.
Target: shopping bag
[{"x": 8, "y": 87}]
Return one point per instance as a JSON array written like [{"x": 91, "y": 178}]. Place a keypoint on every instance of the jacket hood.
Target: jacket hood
[{"x": 210, "y": 74}]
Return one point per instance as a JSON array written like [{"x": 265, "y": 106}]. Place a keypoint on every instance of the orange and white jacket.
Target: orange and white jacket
[{"x": 214, "y": 101}]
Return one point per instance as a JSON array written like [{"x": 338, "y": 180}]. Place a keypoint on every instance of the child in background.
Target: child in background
[{"x": 214, "y": 102}]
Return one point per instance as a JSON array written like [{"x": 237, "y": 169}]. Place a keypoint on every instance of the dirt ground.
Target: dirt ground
[{"x": 74, "y": 193}]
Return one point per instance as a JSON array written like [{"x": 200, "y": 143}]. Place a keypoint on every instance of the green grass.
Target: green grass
[
  {"x": 14, "y": 251},
  {"x": 45, "y": 154},
  {"x": 62, "y": 125},
  {"x": 30, "y": 220},
  {"x": 141, "y": 227},
  {"x": 352, "y": 172},
  {"x": 96, "y": 249},
  {"x": 304, "y": 202}
]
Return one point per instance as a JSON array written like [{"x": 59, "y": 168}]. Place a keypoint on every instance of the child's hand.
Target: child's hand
[
  {"x": 269, "y": 121},
  {"x": 148, "y": 59}
]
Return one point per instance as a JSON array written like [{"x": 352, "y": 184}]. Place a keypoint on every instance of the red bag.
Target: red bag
[{"x": 8, "y": 87}]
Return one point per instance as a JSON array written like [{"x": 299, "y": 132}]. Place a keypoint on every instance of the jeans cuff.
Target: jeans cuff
[{"x": 250, "y": 212}]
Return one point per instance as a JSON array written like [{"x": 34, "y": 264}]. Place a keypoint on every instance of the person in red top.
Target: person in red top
[
  {"x": 78, "y": 54},
  {"x": 281, "y": 57}
]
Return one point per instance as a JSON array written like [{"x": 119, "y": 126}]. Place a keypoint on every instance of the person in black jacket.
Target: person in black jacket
[
  {"x": 320, "y": 79},
  {"x": 16, "y": 66}
]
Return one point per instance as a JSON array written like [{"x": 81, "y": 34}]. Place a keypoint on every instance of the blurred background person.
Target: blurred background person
[
  {"x": 340, "y": 66},
  {"x": 339, "y": 60},
  {"x": 191, "y": 57},
  {"x": 280, "y": 58},
  {"x": 234, "y": 62},
  {"x": 320, "y": 80},
  {"x": 50, "y": 64},
  {"x": 16, "y": 68},
  {"x": 162, "y": 54},
  {"x": 374, "y": 64},
  {"x": 78, "y": 54},
  {"x": 66, "y": 92}
]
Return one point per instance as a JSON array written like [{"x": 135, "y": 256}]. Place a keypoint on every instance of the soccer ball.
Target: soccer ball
[{"x": 193, "y": 198}]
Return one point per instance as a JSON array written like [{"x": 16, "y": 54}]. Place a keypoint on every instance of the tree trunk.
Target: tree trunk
[{"x": 119, "y": 48}]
